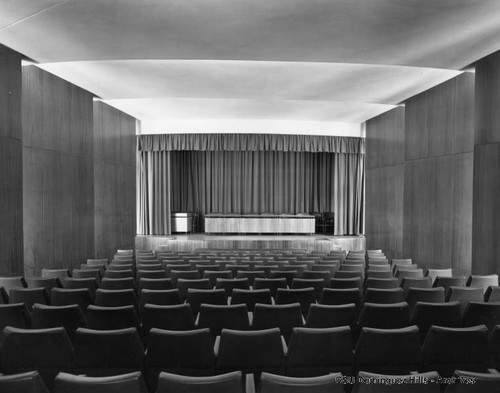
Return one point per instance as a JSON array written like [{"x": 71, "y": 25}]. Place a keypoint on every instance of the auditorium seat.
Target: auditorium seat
[
  {"x": 89, "y": 273},
  {"x": 214, "y": 275},
  {"x": 156, "y": 267},
  {"x": 184, "y": 284},
  {"x": 414, "y": 273},
  {"x": 270, "y": 283},
  {"x": 178, "y": 267},
  {"x": 224, "y": 383},
  {"x": 7, "y": 283},
  {"x": 285, "y": 317},
  {"x": 49, "y": 351},
  {"x": 326, "y": 316},
  {"x": 447, "y": 282},
  {"x": 117, "y": 266},
  {"x": 287, "y": 275},
  {"x": 78, "y": 283},
  {"x": 383, "y": 296},
  {"x": 161, "y": 297},
  {"x": 196, "y": 297},
  {"x": 494, "y": 346},
  {"x": 464, "y": 295},
  {"x": 448, "y": 349},
  {"x": 382, "y": 283},
  {"x": 481, "y": 313},
  {"x": 251, "y": 275},
  {"x": 324, "y": 274},
  {"x": 116, "y": 298},
  {"x": 150, "y": 274},
  {"x": 188, "y": 352},
  {"x": 347, "y": 283},
  {"x": 124, "y": 383},
  {"x": 416, "y": 282},
  {"x": 218, "y": 317},
  {"x": 154, "y": 283},
  {"x": 66, "y": 297},
  {"x": 108, "y": 352},
  {"x": 70, "y": 317},
  {"x": 384, "y": 316},
  {"x": 119, "y": 274},
  {"x": 101, "y": 269},
  {"x": 229, "y": 284},
  {"x": 303, "y": 296},
  {"x": 271, "y": 383},
  {"x": 382, "y": 274},
  {"x": 483, "y": 281},
  {"x": 409, "y": 383},
  {"x": 100, "y": 261},
  {"x": 118, "y": 283},
  {"x": 251, "y": 351},
  {"x": 317, "y": 283},
  {"x": 112, "y": 318},
  {"x": 59, "y": 273},
  {"x": 28, "y": 382},
  {"x": 429, "y": 295},
  {"x": 424, "y": 315},
  {"x": 172, "y": 317},
  {"x": 29, "y": 296},
  {"x": 176, "y": 275},
  {"x": 313, "y": 352},
  {"x": 435, "y": 273},
  {"x": 472, "y": 382},
  {"x": 47, "y": 283},
  {"x": 337, "y": 296},
  {"x": 250, "y": 297},
  {"x": 15, "y": 315},
  {"x": 388, "y": 351},
  {"x": 492, "y": 294},
  {"x": 342, "y": 274}
]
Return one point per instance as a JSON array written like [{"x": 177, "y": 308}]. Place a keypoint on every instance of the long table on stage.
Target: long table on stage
[{"x": 259, "y": 223}]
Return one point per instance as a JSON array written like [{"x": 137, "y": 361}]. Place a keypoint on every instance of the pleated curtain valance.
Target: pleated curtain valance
[{"x": 251, "y": 142}]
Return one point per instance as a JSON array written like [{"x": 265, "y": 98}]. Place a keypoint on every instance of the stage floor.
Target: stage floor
[{"x": 190, "y": 242}]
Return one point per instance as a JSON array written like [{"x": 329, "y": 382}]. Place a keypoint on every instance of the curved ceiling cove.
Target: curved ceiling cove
[{"x": 261, "y": 62}]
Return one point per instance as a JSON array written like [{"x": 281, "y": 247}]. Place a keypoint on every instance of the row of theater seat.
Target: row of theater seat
[
  {"x": 236, "y": 382},
  {"x": 310, "y": 352},
  {"x": 200, "y": 313}
]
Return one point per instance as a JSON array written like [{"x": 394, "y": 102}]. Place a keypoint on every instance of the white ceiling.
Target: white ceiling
[{"x": 201, "y": 65}]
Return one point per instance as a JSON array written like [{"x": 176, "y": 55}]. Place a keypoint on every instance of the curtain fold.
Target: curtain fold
[
  {"x": 153, "y": 193},
  {"x": 270, "y": 182},
  {"x": 251, "y": 142}
]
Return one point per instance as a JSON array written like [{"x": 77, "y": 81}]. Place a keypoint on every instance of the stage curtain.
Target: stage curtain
[
  {"x": 249, "y": 173},
  {"x": 153, "y": 193},
  {"x": 251, "y": 142},
  {"x": 270, "y": 182}
]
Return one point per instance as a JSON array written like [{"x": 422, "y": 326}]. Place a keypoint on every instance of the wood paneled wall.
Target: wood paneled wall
[
  {"x": 11, "y": 166},
  {"x": 486, "y": 223},
  {"x": 114, "y": 180},
  {"x": 420, "y": 175},
  {"x": 384, "y": 182},
  {"x": 439, "y": 137},
  {"x": 58, "y": 173}
]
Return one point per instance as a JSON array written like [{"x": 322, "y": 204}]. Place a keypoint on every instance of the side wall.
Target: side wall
[
  {"x": 385, "y": 182},
  {"x": 11, "y": 165},
  {"x": 58, "y": 176},
  {"x": 486, "y": 223},
  {"x": 114, "y": 180},
  {"x": 435, "y": 176}
]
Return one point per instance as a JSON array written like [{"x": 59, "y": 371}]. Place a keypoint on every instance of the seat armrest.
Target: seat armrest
[
  {"x": 250, "y": 383},
  {"x": 493, "y": 371},
  {"x": 285, "y": 347},
  {"x": 216, "y": 345}
]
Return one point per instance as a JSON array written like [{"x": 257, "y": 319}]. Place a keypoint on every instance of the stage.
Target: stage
[{"x": 191, "y": 242}]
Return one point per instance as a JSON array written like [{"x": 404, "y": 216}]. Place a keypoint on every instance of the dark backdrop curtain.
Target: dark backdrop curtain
[{"x": 254, "y": 174}]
